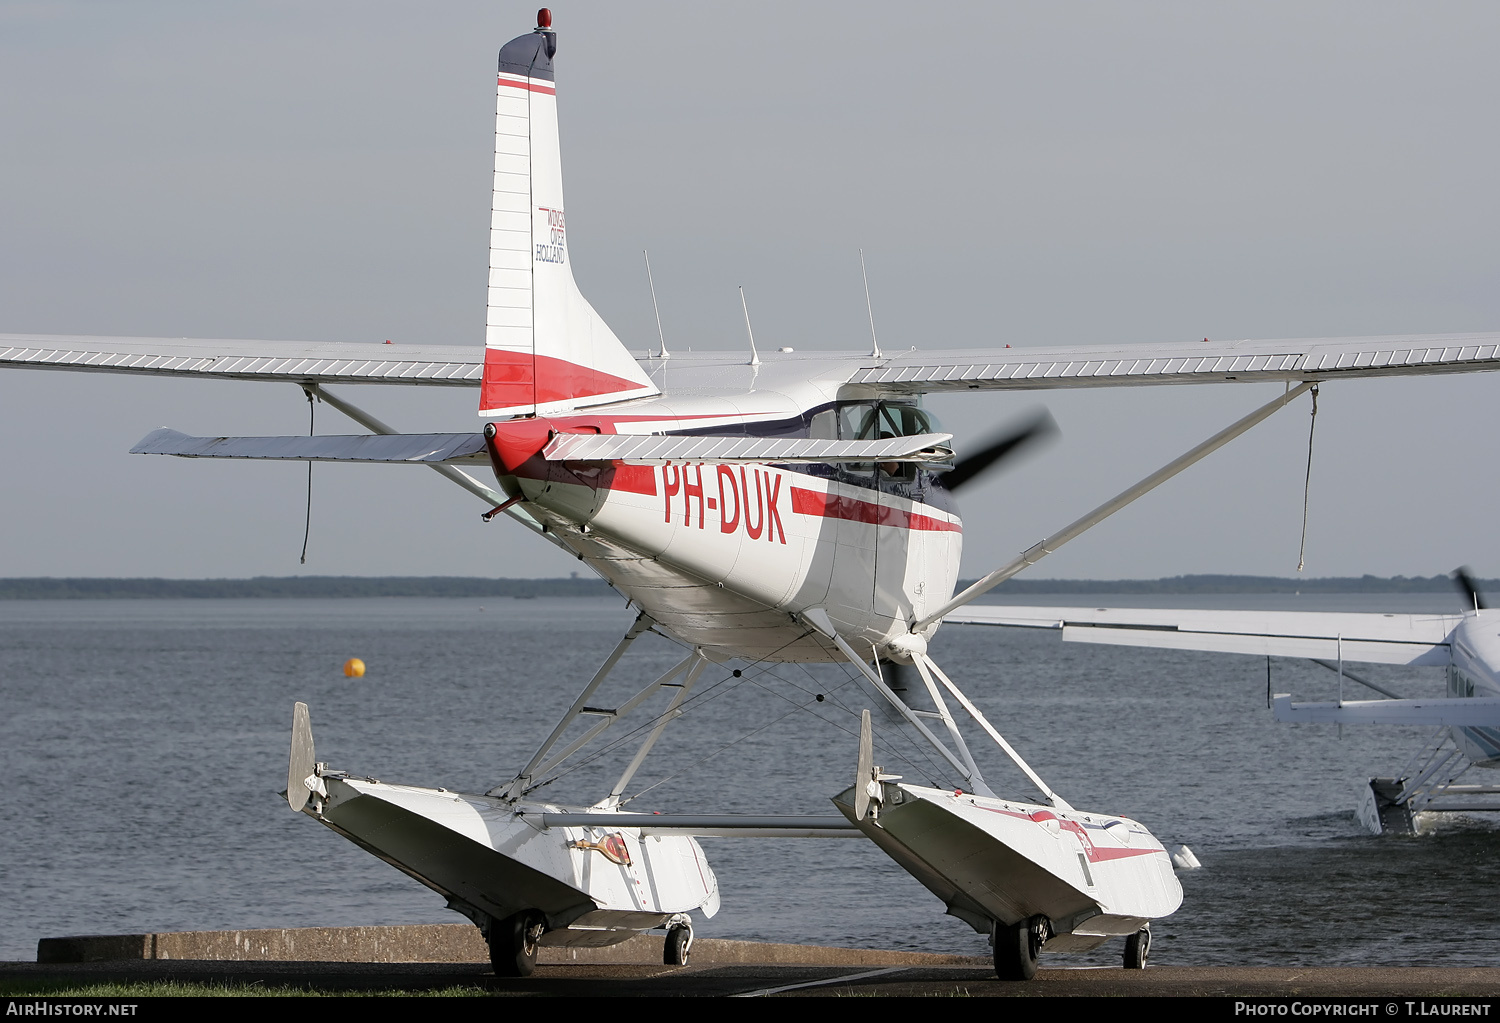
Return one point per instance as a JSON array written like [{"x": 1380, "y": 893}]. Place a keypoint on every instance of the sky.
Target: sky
[{"x": 1023, "y": 174}]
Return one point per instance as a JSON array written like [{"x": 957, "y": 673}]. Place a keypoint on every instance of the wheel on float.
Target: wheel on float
[
  {"x": 1017, "y": 946},
  {"x": 513, "y": 943},
  {"x": 678, "y": 944},
  {"x": 1137, "y": 947}
]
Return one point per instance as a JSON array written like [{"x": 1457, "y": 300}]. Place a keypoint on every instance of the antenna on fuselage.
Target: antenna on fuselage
[
  {"x": 660, "y": 336},
  {"x": 754, "y": 355},
  {"x": 874, "y": 341}
]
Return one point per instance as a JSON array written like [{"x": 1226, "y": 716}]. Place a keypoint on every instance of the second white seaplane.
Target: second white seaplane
[
  {"x": 776, "y": 507},
  {"x": 1465, "y": 644}
]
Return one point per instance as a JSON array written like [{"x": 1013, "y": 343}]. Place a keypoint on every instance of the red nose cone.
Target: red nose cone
[{"x": 544, "y": 18}]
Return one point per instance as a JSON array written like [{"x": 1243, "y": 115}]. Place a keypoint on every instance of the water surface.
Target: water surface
[{"x": 143, "y": 742}]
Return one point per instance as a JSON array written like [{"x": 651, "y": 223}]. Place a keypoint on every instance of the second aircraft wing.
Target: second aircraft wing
[{"x": 1414, "y": 639}]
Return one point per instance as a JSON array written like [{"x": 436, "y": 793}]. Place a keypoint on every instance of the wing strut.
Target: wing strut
[
  {"x": 818, "y": 619},
  {"x": 517, "y": 785},
  {"x": 498, "y": 501},
  {"x": 928, "y": 669},
  {"x": 1038, "y": 551},
  {"x": 926, "y": 664},
  {"x": 374, "y": 425}
]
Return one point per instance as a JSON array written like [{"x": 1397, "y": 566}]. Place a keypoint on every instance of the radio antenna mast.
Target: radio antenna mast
[
  {"x": 875, "y": 352},
  {"x": 660, "y": 336},
  {"x": 754, "y": 355}
]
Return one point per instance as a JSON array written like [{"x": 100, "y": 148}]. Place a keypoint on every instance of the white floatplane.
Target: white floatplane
[
  {"x": 770, "y": 507},
  {"x": 1466, "y": 645}
]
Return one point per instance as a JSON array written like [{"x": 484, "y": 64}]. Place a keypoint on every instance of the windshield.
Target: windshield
[{"x": 877, "y": 420}]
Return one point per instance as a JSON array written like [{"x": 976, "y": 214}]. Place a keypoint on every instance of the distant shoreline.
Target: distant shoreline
[{"x": 47, "y": 588}]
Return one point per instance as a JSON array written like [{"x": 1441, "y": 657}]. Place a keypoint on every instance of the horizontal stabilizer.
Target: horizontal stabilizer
[
  {"x": 415, "y": 448},
  {"x": 1478, "y": 712},
  {"x": 1415, "y": 639},
  {"x": 662, "y": 450}
]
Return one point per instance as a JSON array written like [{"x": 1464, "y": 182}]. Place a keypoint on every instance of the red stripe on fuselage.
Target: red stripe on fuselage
[
  {"x": 550, "y": 90},
  {"x": 829, "y": 506},
  {"x": 606, "y": 423}
]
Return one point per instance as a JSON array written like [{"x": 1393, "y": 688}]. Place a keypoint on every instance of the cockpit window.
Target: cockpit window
[
  {"x": 858, "y": 422},
  {"x": 824, "y": 425},
  {"x": 906, "y": 420},
  {"x": 876, "y": 420}
]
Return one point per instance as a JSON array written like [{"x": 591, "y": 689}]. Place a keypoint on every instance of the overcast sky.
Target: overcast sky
[{"x": 1028, "y": 174}]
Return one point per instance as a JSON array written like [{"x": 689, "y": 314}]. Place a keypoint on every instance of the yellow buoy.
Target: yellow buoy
[{"x": 354, "y": 667}]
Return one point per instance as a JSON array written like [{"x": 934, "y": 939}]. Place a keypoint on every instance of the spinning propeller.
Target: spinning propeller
[
  {"x": 1469, "y": 587},
  {"x": 999, "y": 448},
  {"x": 971, "y": 467}
]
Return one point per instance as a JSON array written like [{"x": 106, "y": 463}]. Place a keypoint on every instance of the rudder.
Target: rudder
[{"x": 546, "y": 349}]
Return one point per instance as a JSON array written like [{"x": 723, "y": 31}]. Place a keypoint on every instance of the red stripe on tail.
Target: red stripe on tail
[
  {"x": 529, "y": 86},
  {"x": 516, "y": 378}
]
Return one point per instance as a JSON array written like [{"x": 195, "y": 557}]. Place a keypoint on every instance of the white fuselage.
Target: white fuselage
[{"x": 725, "y": 556}]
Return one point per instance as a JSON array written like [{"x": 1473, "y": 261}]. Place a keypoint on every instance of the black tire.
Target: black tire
[
  {"x": 677, "y": 946},
  {"x": 513, "y": 944},
  {"x": 1137, "y": 947},
  {"x": 1017, "y": 946}
]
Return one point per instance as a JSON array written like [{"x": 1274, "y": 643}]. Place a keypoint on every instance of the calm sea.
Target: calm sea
[{"x": 142, "y": 744}]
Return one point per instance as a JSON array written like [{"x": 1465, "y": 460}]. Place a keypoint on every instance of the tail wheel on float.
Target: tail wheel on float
[
  {"x": 513, "y": 943},
  {"x": 1137, "y": 946},
  {"x": 678, "y": 944},
  {"x": 1017, "y": 946}
]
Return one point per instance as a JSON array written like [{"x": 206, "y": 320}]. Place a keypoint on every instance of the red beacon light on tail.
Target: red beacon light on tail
[{"x": 544, "y": 18}]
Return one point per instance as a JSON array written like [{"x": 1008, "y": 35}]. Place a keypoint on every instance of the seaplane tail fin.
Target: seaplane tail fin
[{"x": 546, "y": 349}]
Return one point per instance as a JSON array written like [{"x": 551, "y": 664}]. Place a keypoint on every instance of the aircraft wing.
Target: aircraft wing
[
  {"x": 1179, "y": 363},
  {"x": 1415, "y": 639},
  {"x": 291, "y": 361},
  {"x": 910, "y": 372}
]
